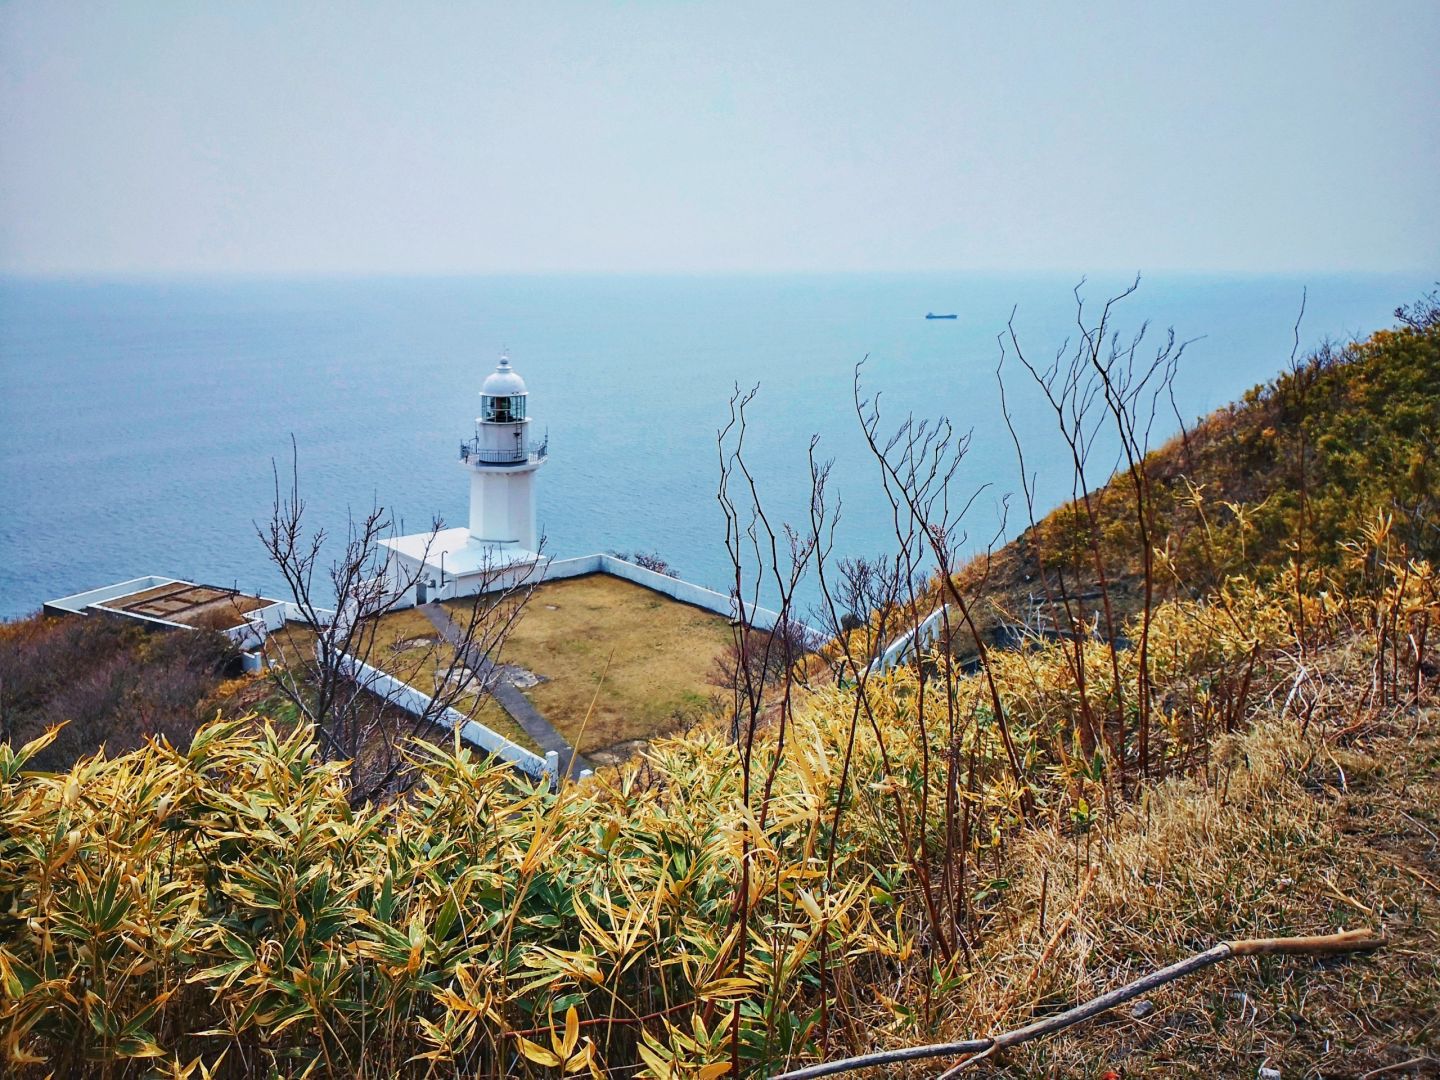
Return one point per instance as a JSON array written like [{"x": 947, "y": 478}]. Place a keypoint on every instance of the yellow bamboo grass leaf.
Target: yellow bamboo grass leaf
[
  {"x": 728, "y": 989},
  {"x": 535, "y": 1052},
  {"x": 812, "y": 908},
  {"x": 417, "y": 945},
  {"x": 897, "y": 1010},
  {"x": 583, "y": 1060},
  {"x": 804, "y": 814},
  {"x": 592, "y": 928},
  {"x": 17, "y": 1054},
  {"x": 790, "y": 874},
  {"x": 567, "y": 1045},
  {"x": 73, "y": 839},
  {"x": 484, "y": 1008},
  {"x": 559, "y": 964},
  {"x": 723, "y": 950},
  {"x": 656, "y": 1067},
  {"x": 539, "y": 840},
  {"x": 612, "y": 832}
]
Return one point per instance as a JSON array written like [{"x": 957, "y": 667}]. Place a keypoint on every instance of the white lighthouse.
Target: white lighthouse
[{"x": 502, "y": 458}]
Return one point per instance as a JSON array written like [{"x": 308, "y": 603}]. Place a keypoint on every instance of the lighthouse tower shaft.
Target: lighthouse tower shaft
[
  {"x": 502, "y": 459},
  {"x": 502, "y": 507}
]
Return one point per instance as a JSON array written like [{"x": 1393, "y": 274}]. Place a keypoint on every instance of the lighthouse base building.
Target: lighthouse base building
[{"x": 501, "y": 543}]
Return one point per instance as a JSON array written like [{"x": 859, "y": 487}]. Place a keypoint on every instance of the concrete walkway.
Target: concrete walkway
[{"x": 508, "y": 696}]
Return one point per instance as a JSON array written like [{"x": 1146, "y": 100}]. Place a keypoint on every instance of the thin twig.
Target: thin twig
[
  {"x": 949, "y": 1074},
  {"x": 1413, "y": 1063},
  {"x": 1324, "y": 945}
]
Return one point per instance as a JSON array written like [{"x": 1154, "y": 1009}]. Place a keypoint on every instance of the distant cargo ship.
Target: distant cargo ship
[{"x": 932, "y": 315}]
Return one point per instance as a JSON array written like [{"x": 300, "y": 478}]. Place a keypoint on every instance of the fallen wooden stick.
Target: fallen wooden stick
[{"x": 1322, "y": 945}]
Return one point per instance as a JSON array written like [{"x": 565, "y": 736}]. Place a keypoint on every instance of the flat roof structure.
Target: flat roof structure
[
  {"x": 180, "y": 602},
  {"x": 452, "y": 552},
  {"x": 171, "y": 602}
]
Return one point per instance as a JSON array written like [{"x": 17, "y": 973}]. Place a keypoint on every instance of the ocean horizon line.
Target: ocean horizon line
[{"x": 175, "y": 276}]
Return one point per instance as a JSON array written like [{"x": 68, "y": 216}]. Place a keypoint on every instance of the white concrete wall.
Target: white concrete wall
[
  {"x": 149, "y": 620},
  {"x": 905, "y": 644},
  {"x": 484, "y": 514},
  {"x": 522, "y": 508},
  {"x": 400, "y": 568},
  {"x": 259, "y": 625},
  {"x": 686, "y": 592},
  {"x": 417, "y": 703},
  {"x": 577, "y": 567},
  {"x": 293, "y": 613},
  {"x": 248, "y": 637}
]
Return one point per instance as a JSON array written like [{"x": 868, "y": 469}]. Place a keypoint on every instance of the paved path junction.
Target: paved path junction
[{"x": 508, "y": 696}]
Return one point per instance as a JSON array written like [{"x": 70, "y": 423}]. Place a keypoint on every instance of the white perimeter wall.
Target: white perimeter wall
[
  {"x": 761, "y": 618},
  {"x": 686, "y": 592},
  {"x": 393, "y": 691}
]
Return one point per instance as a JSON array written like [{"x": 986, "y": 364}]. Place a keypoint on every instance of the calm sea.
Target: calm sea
[{"x": 139, "y": 419}]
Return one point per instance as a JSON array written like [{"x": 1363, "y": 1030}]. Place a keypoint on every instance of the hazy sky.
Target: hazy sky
[{"x": 414, "y": 137}]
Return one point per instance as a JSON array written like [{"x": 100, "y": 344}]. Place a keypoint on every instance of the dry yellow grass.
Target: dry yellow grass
[
  {"x": 1284, "y": 834},
  {"x": 233, "y": 889},
  {"x": 655, "y": 653}
]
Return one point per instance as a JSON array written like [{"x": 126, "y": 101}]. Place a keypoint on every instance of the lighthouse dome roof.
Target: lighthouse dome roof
[{"x": 504, "y": 381}]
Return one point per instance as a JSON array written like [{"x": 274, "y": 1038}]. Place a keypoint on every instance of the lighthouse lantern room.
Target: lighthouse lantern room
[{"x": 502, "y": 459}]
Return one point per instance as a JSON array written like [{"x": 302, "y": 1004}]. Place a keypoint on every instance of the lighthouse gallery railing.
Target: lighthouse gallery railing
[{"x": 472, "y": 453}]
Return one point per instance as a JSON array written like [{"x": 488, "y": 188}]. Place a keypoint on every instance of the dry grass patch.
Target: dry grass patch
[
  {"x": 1282, "y": 836},
  {"x": 656, "y": 655}
]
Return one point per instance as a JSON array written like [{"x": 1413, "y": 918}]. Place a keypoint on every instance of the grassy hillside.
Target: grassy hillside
[
  {"x": 880, "y": 861},
  {"x": 1296, "y": 470}
]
